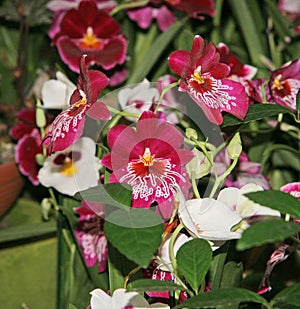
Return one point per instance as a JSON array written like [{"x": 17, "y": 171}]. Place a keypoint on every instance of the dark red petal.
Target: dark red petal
[
  {"x": 20, "y": 129},
  {"x": 99, "y": 111},
  {"x": 220, "y": 71},
  {"x": 113, "y": 53},
  {"x": 179, "y": 62},
  {"x": 27, "y": 115},
  {"x": 72, "y": 25},
  {"x": 198, "y": 48},
  {"x": 69, "y": 52},
  {"x": 196, "y": 7},
  {"x": 88, "y": 11},
  {"x": 105, "y": 26},
  {"x": 92, "y": 82}
]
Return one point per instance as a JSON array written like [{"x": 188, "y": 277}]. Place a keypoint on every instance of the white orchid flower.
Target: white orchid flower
[
  {"x": 234, "y": 198},
  {"x": 120, "y": 300},
  {"x": 137, "y": 99},
  {"x": 56, "y": 93},
  {"x": 73, "y": 169},
  {"x": 208, "y": 218}
]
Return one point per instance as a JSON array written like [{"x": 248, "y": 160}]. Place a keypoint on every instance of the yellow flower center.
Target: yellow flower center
[
  {"x": 197, "y": 76},
  {"x": 147, "y": 158},
  {"x": 68, "y": 169},
  {"x": 277, "y": 85},
  {"x": 90, "y": 40}
]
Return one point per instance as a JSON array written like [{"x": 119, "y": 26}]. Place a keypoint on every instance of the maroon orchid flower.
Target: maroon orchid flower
[
  {"x": 88, "y": 30},
  {"x": 204, "y": 78},
  {"x": 150, "y": 159},
  {"x": 26, "y": 123},
  {"x": 27, "y": 148},
  {"x": 284, "y": 85},
  {"x": 61, "y": 7},
  {"x": 90, "y": 235},
  {"x": 68, "y": 125}
]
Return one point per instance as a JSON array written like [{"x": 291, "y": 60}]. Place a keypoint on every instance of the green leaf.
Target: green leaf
[
  {"x": 193, "y": 260},
  {"x": 283, "y": 29},
  {"x": 222, "y": 297},
  {"x": 114, "y": 194},
  {"x": 118, "y": 267},
  {"x": 246, "y": 22},
  {"x": 143, "y": 285},
  {"x": 154, "y": 52},
  {"x": 298, "y": 99},
  {"x": 275, "y": 199},
  {"x": 267, "y": 232},
  {"x": 72, "y": 307},
  {"x": 288, "y": 296},
  {"x": 232, "y": 275},
  {"x": 136, "y": 233},
  {"x": 255, "y": 112},
  {"x": 25, "y": 232}
]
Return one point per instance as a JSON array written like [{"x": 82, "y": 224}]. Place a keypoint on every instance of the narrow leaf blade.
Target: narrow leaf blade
[
  {"x": 148, "y": 285},
  {"x": 255, "y": 112}
]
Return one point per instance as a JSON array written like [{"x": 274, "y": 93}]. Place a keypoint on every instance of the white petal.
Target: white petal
[
  {"x": 54, "y": 94},
  {"x": 122, "y": 299},
  {"x": 87, "y": 174},
  {"x": 100, "y": 300},
  {"x": 229, "y": 196},
  {"x": 211, "y": 215}
]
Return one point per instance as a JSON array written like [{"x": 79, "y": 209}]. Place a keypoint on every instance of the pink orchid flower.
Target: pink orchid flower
[
  {"x": 163, "y": 11},
  {"x": 68, "y": 125},
  {"x": 27, "y": 148},
  {"x": 90, "y": 235},
  {"x": 284, "y": 85},
  {"x": 204, "y": 78},
  {"x": 93, "y": 32},
  {"x": 245, "y": 172},
  {"x": 150, "y": 159}
]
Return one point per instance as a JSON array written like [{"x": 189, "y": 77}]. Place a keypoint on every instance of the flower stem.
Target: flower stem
[
  {"x": 128, "y": 5},
  {"x": 195, "y": 188},
  {"x": 164, "y": 91},
  {"x": 171, "y": 245},
  {"x": 220, "y": 179}
]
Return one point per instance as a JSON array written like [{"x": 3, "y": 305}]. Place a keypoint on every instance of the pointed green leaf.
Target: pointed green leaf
[
  {"x": 136, "y": 233},
  {"x": 154, "y": 52},
  {"x": 246, "y": 22},
  {"x": 193, "y": 260},
  {"x": 222, "y": 297},
  {"x": 288, "y": 296},
  {"x": 114, "y": 194},
  {"x": 298, "y": 101},
  {"x": 275, "y": 199},
  {"x": 143, "y": 285},
  {"x": 255, "y": 112},
  {"x": 267, "y": 232}
]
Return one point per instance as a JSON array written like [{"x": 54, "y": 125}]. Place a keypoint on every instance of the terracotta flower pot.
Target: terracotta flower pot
[{"x": 11, "y": 184}]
